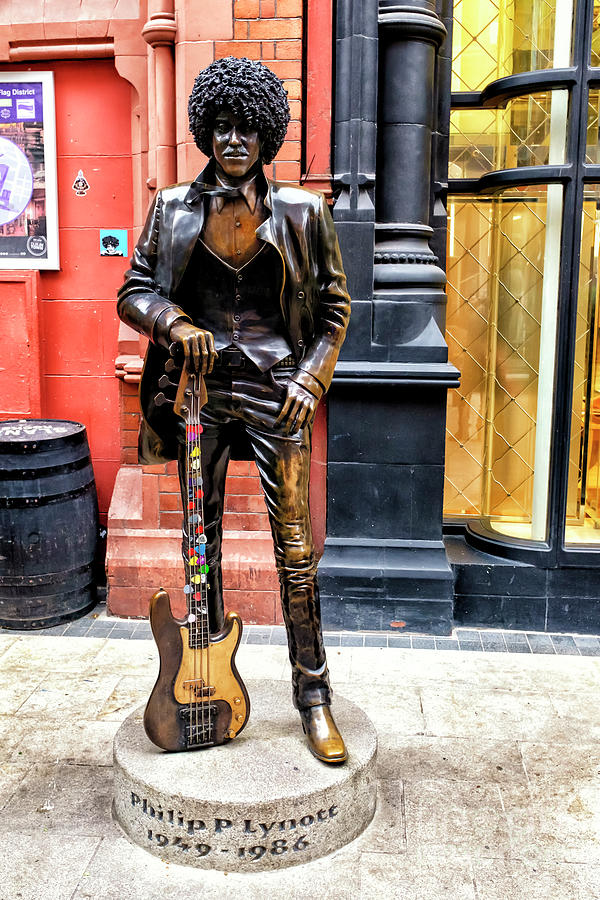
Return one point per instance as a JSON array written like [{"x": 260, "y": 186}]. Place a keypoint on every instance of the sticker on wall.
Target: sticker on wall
[
  {"x": 81, "y": 185},
  {"x": 113, "y": 242}
]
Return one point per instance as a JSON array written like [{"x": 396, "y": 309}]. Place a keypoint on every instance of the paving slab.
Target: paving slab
[
  {"x": 413, "y": 757},
  {"x": 38, "y": 865},
  {"x": 6, "y": 640},
  {"x": 579, "y": 715},
  {"x": 67, "y": 656},
  {"x": 129, "y": 693},
  {"x": 127, "y": 657},
  {"x": 11, "y": 734},
  {"x": 509, "y": 879},
  {"x": 63, "y": 798},
  {"x": 570, "y": 764},
  {"x": 456, "y": 817},
  {"x": 387, "y": 831},
  {"x": 84, "y": 742},
  {"x": 456, "y": 710},
  {"x": 416, "y": 877},
  {"x": 16, "y": 688},
  {"x": 557, "y": 823},
  {"x": 397, "y": 711},
  {"x": 60, "y": 695},
  {"x": 257, "y": 661},
  {"x": 11, "y": 776}
]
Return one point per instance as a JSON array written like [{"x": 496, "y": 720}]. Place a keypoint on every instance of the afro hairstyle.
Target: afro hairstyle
[{"x": 247, "y": 88}]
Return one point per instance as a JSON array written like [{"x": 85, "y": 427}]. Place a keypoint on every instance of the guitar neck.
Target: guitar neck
[{"x": 196, "y": 587}]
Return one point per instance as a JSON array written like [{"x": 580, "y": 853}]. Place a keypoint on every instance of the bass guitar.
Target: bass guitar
[{"x": 199, "y": 699}]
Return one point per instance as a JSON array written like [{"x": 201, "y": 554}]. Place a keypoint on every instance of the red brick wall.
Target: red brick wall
[
  {"x": 266, "y": 30},
  {"x": 271, "y": 31}
]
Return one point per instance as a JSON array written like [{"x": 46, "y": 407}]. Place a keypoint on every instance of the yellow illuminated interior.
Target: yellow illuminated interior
[
  {"x": 491, "y": 40},
  {"x": 595, "y": 54},
  {"x": 485, "y": 140},
  {"x": 497, "y": 248},
  {"x": 503, "y": 266},
  {"x": 583, "y": 498}
]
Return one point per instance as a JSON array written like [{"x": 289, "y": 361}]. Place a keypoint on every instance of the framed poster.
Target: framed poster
[{"x": 28, "y": 197}]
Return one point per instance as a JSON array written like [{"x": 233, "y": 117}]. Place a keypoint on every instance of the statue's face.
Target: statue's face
[{"x": 236, "y": 146}]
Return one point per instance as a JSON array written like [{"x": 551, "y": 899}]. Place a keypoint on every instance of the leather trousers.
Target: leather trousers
[{"x": 253, "y": 399}]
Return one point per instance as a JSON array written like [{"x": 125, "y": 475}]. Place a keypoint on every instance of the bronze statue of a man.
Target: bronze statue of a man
[{"x": 246, "y": 275}]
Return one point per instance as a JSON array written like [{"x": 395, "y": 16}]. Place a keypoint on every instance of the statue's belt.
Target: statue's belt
[{"x": 232, "y": 358}]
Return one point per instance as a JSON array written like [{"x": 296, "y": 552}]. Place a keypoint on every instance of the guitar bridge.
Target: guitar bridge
[{"x": 200, "y": 724}]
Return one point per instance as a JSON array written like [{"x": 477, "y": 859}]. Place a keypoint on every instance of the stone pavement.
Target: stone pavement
[{"x": 489, "y": 775}]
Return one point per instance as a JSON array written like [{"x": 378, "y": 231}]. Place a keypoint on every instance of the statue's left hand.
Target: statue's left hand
[{"x": 298, "y": 408}]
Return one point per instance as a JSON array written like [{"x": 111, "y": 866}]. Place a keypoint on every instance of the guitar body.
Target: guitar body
[{"x": 199, "y": 700}]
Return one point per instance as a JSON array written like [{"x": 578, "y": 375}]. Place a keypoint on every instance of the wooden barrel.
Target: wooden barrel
[{"x": 48, "y": 523}]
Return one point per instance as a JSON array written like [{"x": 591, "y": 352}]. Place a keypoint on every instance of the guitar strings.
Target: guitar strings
[
  {"x": 198, "y": 555},
  {"x": 204, "y": 568},
  {"x": 198, "y": 482},
  {"x": 192, "y": 627},
  {"x": 197, "y": 552}
]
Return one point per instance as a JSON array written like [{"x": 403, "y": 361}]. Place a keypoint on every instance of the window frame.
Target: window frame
[{"x": 573, "y": 174}]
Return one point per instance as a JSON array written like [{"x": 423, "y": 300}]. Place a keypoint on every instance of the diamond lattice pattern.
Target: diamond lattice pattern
[
  {"x": 584, "y": 450},
  {"x": 493, "y": 39},
  {"x": 592, "y": 150},
  {"x": 485, "y": 140},
  {"x": 495, "y": 275},
  {"x": 595, "y": 50}
]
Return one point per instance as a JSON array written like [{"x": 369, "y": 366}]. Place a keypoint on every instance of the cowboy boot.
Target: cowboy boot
[
  {"x": 324, "y": 740},
  {"x": 310, "y": 677}
]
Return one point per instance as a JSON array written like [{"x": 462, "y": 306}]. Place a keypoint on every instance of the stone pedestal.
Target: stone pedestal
[{"x": 261, "y": 802}]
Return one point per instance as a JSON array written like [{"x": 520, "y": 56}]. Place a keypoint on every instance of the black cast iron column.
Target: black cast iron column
[
  {"x": 355, "y": 160},
  {"x": 409, "y": 286},
  {"x": 384, "y": 559}
]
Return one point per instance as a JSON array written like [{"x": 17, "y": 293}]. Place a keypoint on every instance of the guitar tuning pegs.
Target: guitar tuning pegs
[
  {"x": 160, "y": 399},
  {"x": 165, "y": 382},
  {"x": 176, "y": 350},
  {"x": 170, "y": 365}
]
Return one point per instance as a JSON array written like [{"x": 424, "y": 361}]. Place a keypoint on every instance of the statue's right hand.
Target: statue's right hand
[{"x": 198, "y": 346}]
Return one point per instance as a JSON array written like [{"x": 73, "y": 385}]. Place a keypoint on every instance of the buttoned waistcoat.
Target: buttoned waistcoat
[{"x": 314, "y": 300}]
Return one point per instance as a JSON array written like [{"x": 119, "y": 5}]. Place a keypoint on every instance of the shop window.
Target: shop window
[
  {"x": 592, "y": 148},
  {"x": 502, "y": 265},
  {"x": 491, "y": 40},
  {"x": 485, "y": 140},
  {"x": 583, "y": 498},
  {"x": 595, "y": 54},
  {"x": 504, "y": 259}
]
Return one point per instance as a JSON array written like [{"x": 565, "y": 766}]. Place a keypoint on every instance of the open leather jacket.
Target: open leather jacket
[{"x": 314, "y": 300}]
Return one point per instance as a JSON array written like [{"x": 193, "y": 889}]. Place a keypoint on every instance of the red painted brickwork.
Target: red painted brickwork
[
  {"x": 144, "y": 548},
  {"x": 244, "y": 503}
]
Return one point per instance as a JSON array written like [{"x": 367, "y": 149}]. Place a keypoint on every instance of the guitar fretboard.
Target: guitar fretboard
[{"x": 196, "y": 587}]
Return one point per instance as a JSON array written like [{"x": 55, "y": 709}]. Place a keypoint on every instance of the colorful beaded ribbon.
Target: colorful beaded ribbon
[{"x": 196, "y": 587}]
